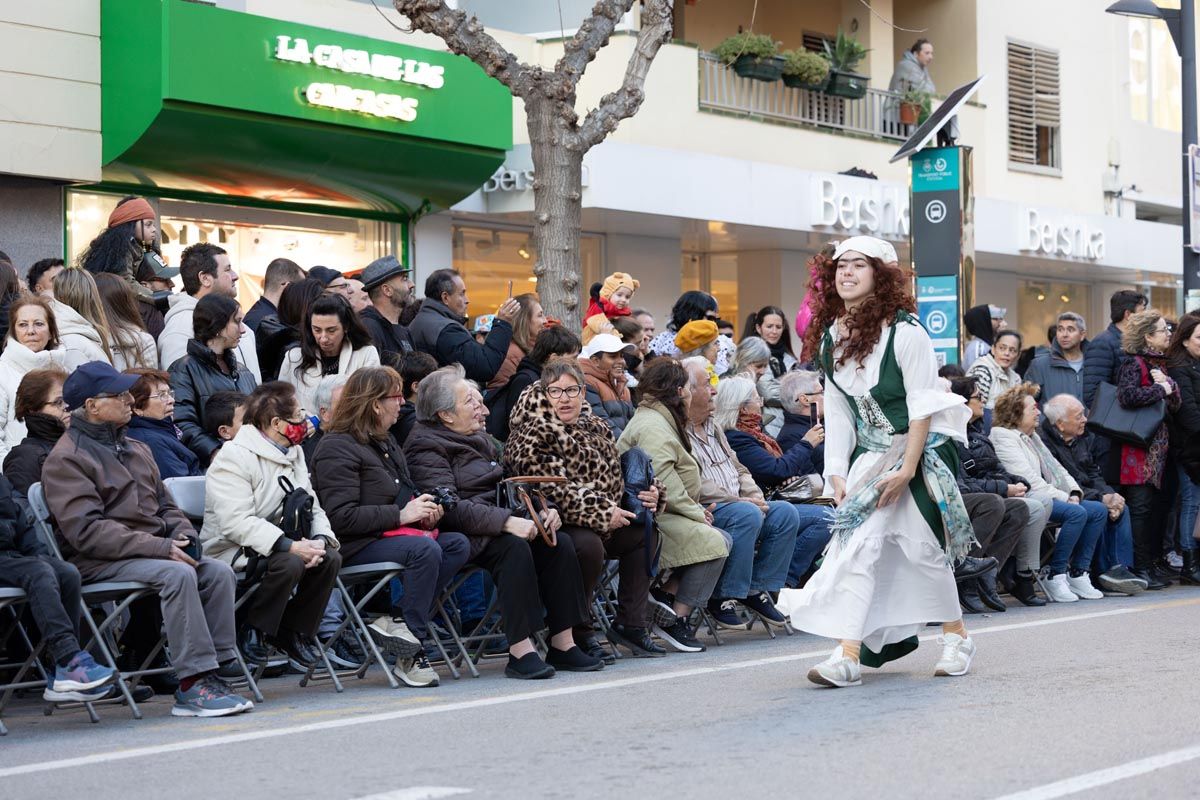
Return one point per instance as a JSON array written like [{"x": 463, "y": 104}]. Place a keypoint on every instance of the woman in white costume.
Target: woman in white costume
[{"x": 890, "y": 465}]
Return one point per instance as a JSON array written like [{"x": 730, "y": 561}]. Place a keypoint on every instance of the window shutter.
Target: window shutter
[{"x": 1033, "y": 99}]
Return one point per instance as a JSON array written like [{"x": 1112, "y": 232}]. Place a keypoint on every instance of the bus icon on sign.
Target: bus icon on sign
[
  {"x": 935, "y": 212},
  {"x": 937, "y": 322}
]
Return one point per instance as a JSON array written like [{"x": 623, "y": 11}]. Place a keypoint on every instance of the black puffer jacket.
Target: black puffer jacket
[
  {"x": 1185, "y": 423},
  {"x": 470, "y": 466},
  {"x": 979, "y": 469},
  {"x": 195, "y": 378},
  {"x": 500, "y": 401},
  {"x": 1076, "y": 457},
  {"x": 17, "y": 537},
  {"x": 361, "y": 487},
  {"x": 23, "y": 464},
  {"x": 272, "y": 339}
]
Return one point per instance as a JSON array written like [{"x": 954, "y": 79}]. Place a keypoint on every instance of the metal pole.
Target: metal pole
[{"x": 1187, "y": 53}]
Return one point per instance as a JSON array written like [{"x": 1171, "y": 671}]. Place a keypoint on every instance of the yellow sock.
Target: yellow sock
[
  {"x": 850, "y": 649},
  {"x": 955, "y": 627}
]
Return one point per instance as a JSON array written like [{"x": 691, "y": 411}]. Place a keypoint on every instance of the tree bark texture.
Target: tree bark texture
[{"x": 558, "y": 140}]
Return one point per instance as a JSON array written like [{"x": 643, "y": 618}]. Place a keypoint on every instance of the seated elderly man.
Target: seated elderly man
[
  {"x": 1064, "y": 431},
  {"x": 118, "y": 523},
  {"x": 764, "y": 534},
  {"x": 799, "y": 392}
]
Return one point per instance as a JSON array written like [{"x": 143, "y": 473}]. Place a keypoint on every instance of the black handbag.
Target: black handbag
[
  {"x": 1135, "y": 426},
  {"x": 637, "y": 470},
  {"x": 295, "y": 522}
]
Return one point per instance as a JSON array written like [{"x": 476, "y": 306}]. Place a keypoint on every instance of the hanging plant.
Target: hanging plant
[
  {"x": 805, "y": 69},
  {"x": 751, "y": 55}
]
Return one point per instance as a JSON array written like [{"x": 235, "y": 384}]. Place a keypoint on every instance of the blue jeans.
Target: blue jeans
[
  {"x": 811, "y": 539},
  {"x": 1081, "y": 526},
  {"x": 762, "y": 547},
  {"x": 1189, "y": 507},
  {"x": 1116, "y": 543}
]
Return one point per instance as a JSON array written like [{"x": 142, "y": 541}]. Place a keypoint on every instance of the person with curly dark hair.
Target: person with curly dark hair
[{"x": 890, "y": 466}]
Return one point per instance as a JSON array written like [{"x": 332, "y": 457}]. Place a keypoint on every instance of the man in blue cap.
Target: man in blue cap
[
  {"x": 118, "y": 523},
  {"x": 387, "y": 283}
]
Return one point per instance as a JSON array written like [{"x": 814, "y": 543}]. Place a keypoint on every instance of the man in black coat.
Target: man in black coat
[
  {"x": 387, "y": 283},
  {"x": 440, "y": 330},
  {"x": 1103, "y": 356},
  {"x": 1064, "y": 432}
]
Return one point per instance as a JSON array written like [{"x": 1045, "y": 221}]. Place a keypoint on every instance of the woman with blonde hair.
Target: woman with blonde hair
[
  {"x": 82, "y": 323},
  {"x": 132, "y": 346}
]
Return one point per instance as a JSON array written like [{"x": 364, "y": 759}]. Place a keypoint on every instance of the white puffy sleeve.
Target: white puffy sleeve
[
  {"x": 840, "y": 437},
  {"x": 925, "y": 397}
]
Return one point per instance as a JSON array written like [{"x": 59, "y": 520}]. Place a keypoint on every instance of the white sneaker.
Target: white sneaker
[
  {"x": 837, "y": 671},
  {"x": 1059, "y": 590},
  {"x": 1082, "y": 586},
  {"x": 957, "y": 653},
  {"x": 394, "y": 637},
  {"x": 415, "y": 672}
]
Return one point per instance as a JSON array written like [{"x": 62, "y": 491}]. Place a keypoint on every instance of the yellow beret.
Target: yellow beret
[{"x": 695, "y": 335}]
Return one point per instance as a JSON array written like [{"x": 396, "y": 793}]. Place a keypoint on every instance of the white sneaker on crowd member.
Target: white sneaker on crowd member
[
  {"x": 1082, "y": 586},
  {"x": 837, "y": 671},
  {"x": 1059, "y": 589},
  {"x": 415, "y": 672},
  {"x": 957, "y": 653},
  {"x": 393, "y": 637}
]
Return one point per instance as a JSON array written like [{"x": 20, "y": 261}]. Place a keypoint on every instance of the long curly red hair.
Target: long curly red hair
[{"x": 892, "y": 293}]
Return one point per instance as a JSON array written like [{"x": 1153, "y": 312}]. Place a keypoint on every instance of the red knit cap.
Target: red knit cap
[{"x": 131, "y": 211}]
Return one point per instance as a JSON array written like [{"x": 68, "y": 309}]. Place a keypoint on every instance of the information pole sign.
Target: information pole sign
[{"x": 942, "y": 243}]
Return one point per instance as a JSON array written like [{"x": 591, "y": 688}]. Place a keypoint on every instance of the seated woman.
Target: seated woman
[
  {"x": 152, "y": 425},
  {"x": 449, "y": 449},
  {"x": 243, "y": 504},
  {"x": 1014, "y": 434},
  {"x": 210, "y": 366},
  {"x": 739, "y": 413},
  {"x": 40, "y": 407},
  {"x": 332, "y": 342},
  {"x": 603, "y": 367},
  {"x": 556, "y": 433},
  {"x": 379, "y": 515},
  {"x": 692, "y": 548},
  {"x": 699, "y": 338},
  {"x": 32, "y": 343},
  {"x": 555, "y": 340},
  {"x": 79, "y": 314}
]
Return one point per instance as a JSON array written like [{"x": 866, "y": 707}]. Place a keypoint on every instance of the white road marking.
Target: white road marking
[
  {"x": 1103, "y": 777},
  {"x": 487, "y": 702},
  {"x": 418, "y": 793}
]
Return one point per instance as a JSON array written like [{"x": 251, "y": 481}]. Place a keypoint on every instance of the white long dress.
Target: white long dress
[{"x": 890, "y": 577}]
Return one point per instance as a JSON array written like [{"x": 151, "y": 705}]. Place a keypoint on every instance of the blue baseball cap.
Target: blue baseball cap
[{"x": 93, "y": 378}]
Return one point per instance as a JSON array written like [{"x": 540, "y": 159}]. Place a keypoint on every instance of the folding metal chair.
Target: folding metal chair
[
  {"x": 485, "y": 631},
  {"x": 9, "y": 599},
  {"x": 188, "y": 494},
  {"x": 1042, "y": 574}
]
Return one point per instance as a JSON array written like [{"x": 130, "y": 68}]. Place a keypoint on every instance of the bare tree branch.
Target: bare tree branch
[
  {"x": 592, "y": 35},
  {"x": 466, "y": 37},
  {"x": 624, "y": 103}
]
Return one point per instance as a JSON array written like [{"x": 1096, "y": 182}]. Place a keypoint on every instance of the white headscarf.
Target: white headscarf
[{"x": 868, "y": 246}]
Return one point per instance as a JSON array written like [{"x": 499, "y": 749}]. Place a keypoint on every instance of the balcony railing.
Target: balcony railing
[{"x": 722, "y": 89}]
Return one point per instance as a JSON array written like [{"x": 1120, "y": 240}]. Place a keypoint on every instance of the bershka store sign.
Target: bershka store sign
[
  {"x": 1066, "y": 238},
  {"x": 859, "y": 205},
  {"x": 361, "y": 62}
]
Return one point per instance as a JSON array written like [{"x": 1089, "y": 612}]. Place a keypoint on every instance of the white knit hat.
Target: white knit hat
[{"x": 868, "y": 246}]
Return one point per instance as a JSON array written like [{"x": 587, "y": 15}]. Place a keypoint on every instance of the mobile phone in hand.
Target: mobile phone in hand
[
  {"x": 510, "y": 290},
  {"x": 812, "y": 413}
]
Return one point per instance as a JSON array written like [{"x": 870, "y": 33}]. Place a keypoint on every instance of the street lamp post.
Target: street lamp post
[{"x": 1181, "y": 23}]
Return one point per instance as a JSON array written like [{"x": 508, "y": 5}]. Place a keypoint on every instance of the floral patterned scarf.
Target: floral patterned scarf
[{"x": 751, "y": 424}]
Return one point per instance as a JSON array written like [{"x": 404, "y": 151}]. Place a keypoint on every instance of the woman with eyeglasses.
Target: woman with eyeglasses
[
  {"x": 555, "y": 432},
  {"x": 41, "y": 409},
  {"x": 1142, "y": 381},
  {"x": 153, "y": 425},
  {"x": 210, "y": 366},
  {"x": 994, "y": 373}
]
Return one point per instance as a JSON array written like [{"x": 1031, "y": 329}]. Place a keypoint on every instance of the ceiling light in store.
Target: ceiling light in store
[
  {"x": 532, "y": 280},
  {"x": 523, "y": 253},
  {"x": 1064, "y": 297},
  {"x": 1041, "y": 296}
]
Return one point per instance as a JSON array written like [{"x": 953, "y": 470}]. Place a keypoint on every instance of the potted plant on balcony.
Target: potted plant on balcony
[
  {"x": 751, "y": 55},
  {"x": 913, "y": 104},
  {"x": 844, "y": 56},
  {"x": 804, "y": 69}
]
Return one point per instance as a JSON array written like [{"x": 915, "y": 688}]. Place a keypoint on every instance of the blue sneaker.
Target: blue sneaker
[
  {"x": 724, "y": 613},
  {"x": 81, "y": 675},
  {"x": 209, "y": 697},
  {"x": 90, "y": 696}
]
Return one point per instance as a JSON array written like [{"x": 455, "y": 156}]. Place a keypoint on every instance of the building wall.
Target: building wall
[
  {"x": 655, "y": 262},
  {"x": 31, "y": 220},
  {"x": 951, "y": 26},
  {"x": 50, "y": 82}
]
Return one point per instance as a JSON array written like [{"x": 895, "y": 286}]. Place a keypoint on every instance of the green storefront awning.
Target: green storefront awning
[{"x": 203, "y": 101}]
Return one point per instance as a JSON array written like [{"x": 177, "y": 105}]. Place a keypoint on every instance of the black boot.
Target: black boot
[
  {"x": 1190, "y": 574},
  {"x": 1153, "y": 582},
  {"x": 988, "y": 593},
  {"x": 968, "y": 597},
  {"x": 1023, "y": 590}
]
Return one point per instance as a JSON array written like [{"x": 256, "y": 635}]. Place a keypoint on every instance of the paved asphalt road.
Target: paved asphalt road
[{"x": 1093, "y": 699}]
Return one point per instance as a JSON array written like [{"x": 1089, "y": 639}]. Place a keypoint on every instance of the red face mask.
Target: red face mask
[{"x": 295, "y": 432}]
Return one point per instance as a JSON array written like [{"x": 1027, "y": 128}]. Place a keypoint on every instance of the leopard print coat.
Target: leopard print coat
[{"x": 541, "y": 444}]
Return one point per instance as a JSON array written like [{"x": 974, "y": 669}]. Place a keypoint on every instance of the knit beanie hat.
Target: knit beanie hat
[
  {"x": 616, "y": 281},
  {"x": 695, "y": 335}
]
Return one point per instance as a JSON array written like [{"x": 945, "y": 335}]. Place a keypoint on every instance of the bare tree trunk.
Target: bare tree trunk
[{"x": 557, "y": 198}]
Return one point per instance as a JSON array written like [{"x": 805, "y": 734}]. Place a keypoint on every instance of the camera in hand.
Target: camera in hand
[{"x": 446, "y": 498}]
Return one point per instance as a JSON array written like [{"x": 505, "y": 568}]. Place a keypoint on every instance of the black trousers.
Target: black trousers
[
  {"x": 273, "y": 605},
  {"x": 998, "y": 523},
  {"x": 530, "y": 576},
  {"x": 53, "y": 587},
  {"x": 1148, "y": 509},
  {"x": 626, "y": 545}
]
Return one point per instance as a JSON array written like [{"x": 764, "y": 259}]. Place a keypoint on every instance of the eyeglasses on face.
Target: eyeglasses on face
[
  {"x": 109, "y": 396},
  {"x": 164, "y": 395},
  {"x": 555, "y": 392}
]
